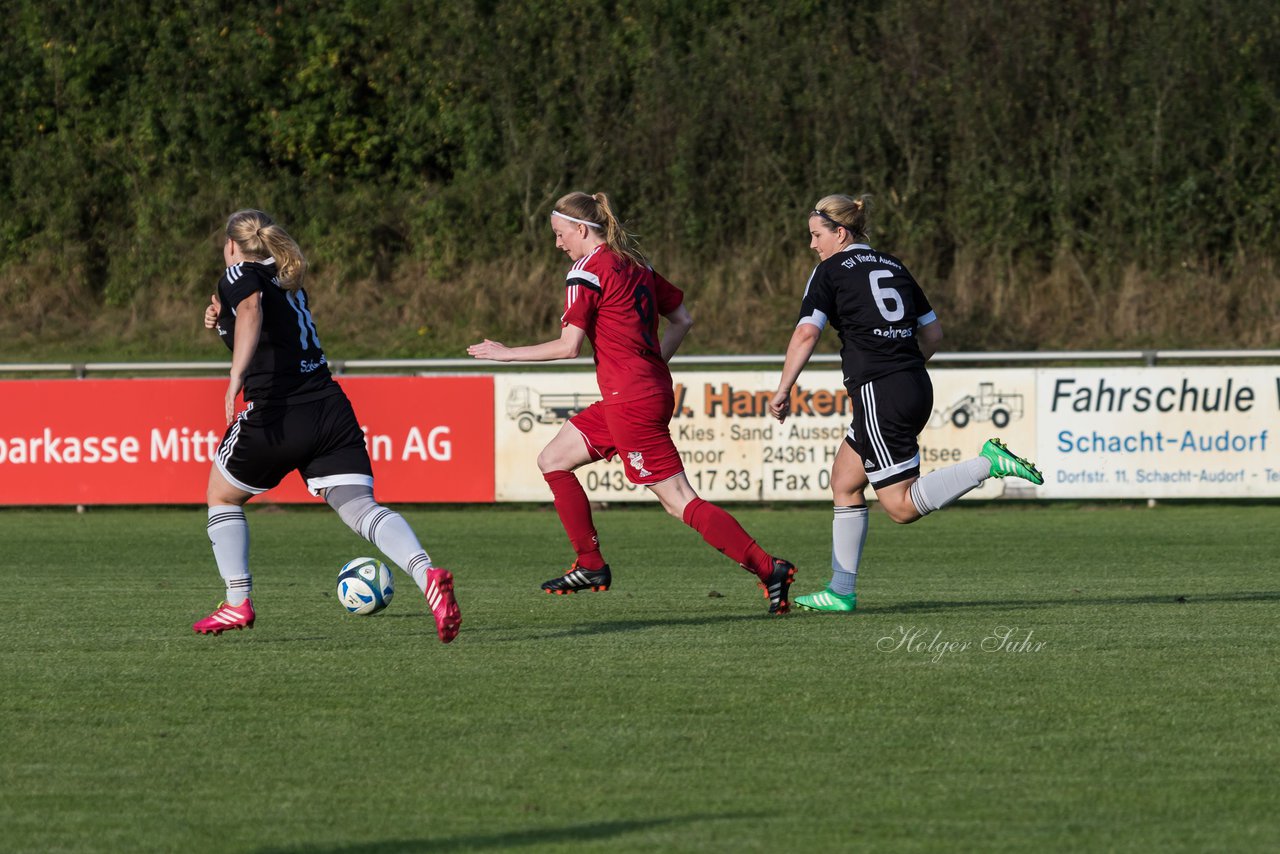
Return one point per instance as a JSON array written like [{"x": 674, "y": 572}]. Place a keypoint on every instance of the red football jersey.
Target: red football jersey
[{"x": 617, "y": 303}]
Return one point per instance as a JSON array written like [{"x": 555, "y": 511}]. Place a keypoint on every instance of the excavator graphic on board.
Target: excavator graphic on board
[{"x": 998, "y": 407}]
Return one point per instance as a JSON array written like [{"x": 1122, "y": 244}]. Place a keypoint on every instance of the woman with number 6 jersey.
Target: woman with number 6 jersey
[
  {"x": 296, "y": 417},
  {"x": 613, "y": 298},
  {"x": 887, "y": 331}
]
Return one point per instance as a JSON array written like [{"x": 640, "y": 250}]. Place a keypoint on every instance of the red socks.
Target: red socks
[
  {"x": 716, "y": 526},
  {"x": 575, "y": 514},
  {"x": 723, "y": 533}
]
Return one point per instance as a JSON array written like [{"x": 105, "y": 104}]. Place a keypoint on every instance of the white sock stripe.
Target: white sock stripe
[
  {"x": 381, "y": 515},
  {"x": 227, "y": 514},
  {"x": 360, "y": 525},
  {"x": 916, "y": 494}
]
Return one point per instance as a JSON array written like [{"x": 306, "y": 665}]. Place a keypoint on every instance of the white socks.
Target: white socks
[
  {"x": 932, "y": 492},
  {"x": 848, "y": 536},
  {"x": 383, "y": 527},
  {"x": 939, "y": 488},
  {"x": 229, "y": 533}
]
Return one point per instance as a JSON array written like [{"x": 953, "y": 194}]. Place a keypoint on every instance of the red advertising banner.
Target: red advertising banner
[{"x": 151, "y": 441}]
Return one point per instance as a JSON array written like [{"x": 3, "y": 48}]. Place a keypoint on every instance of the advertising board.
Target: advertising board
[
  {"x": 1125, "y": 433},
  {"x": 151, "y": 441},
  {"x": 1192, "y": 432},
  {"x": 734, "y": 451}
]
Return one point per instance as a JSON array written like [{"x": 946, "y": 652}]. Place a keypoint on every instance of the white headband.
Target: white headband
[{"x": 575, "y": 219}]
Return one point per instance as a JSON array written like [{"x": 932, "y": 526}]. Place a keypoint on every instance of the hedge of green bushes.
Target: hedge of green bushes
[{"x": 1128, "y": 134}]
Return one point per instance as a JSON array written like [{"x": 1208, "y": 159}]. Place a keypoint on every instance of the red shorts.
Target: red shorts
[{"x": 639, "y": 431}]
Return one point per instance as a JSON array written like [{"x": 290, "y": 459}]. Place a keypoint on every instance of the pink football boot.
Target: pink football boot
[
  {"x": 226, "y": 617},
  {"x": 444, "y": 608}
]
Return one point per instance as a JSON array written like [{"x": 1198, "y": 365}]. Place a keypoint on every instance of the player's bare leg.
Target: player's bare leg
[{"x": 905, "y": 502}]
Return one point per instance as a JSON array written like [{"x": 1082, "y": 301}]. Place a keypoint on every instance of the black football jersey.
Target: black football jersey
[
  {"x": 875, "y": 305},
  {"x": 289, "y": 365}
]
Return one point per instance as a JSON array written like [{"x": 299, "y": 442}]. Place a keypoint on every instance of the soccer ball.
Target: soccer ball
[{"x": 364, "y": 586}]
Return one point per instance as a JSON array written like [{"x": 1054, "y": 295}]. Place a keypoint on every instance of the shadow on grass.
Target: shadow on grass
[
  {"x": 1154, "y": 599},
  {"x": 615, "y": 626},
  {"x": 574, "y": 833},
  {"x": 292, "y": 639},
  {"x": 507, "y": 634}
]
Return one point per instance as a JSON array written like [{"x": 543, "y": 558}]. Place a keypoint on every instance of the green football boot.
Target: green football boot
[
  {"x": 827, "y": 601},
  {"x": 1004, "y": 463}
]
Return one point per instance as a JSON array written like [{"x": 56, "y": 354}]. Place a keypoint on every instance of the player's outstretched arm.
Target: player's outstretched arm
[
  {"x": 679, "y": 322},
  {"x": 567, "y": 346},
  {"x": 803, "y": 342}
]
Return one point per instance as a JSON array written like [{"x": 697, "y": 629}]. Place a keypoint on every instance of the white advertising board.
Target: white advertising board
[
  {"x": 1190, "y": 432},
  {"x": 733, "y": 450}
]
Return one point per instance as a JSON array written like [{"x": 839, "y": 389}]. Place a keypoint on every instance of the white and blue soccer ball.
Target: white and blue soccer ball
[{"x": 364, "y": 586}]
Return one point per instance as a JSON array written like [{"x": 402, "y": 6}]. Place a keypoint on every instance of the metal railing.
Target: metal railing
[{"x": 342, "y": 366}]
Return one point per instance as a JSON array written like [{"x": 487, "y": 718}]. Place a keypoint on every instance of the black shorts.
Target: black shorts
[
  {"x": 888, "y": 415},
  {"x": 320, "y": 438}
]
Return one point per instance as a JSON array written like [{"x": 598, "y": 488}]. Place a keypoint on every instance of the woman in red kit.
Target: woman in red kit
[{"x": 614, "y": 299}]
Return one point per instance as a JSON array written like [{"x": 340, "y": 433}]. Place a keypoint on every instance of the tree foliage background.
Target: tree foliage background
[{"x": 1084, "y": 173}]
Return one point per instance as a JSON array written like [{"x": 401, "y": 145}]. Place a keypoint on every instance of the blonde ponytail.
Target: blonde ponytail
[
  {"x": 596, "y": 212},
  {"x": 840, "y": 211},
  {"x": 260, "y": 238}
]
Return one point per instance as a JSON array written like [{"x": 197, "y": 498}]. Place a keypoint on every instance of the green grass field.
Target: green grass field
[{"x": 670, "y": 713}]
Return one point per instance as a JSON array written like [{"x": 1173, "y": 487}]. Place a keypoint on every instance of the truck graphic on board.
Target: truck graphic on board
[
  {"x": 998, "y": 407},
  {"x": 527, "y": 406}
]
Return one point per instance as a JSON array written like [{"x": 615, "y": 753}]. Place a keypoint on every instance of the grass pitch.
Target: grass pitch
[{"x": 1016, "y": 678}]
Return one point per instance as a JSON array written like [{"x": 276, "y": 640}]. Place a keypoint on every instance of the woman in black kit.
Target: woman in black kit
[
  {"x": 887, "y": 331},
  {"x": 296, "y": 417}
]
